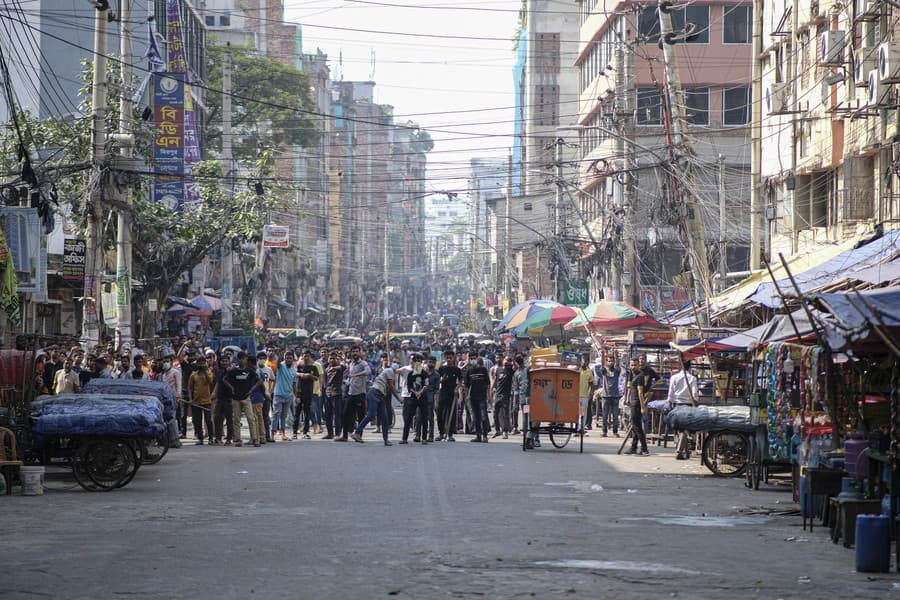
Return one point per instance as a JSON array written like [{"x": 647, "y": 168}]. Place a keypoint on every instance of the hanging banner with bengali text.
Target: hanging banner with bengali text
[
  {"x": 168, "y": 140},
  {"x": 276, "y": 236},
  {"x": 177, "y": 63}
]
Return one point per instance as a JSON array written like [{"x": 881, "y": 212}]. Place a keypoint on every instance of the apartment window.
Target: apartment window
[
  {"x": 736, "y": 25},
  {"x": 546, "y": 52},
  {"x": 547, "y": 105},
  {"x": 736, "y": 106},
  {"x": 648, "y": 106},
  {"x": 210, "y": 20},
  {"x": 698, "y": 16},
  {"x": 648, "y": 24},
  {"x": 696, "y": 106},
  {"x": 225, "y": 20}
]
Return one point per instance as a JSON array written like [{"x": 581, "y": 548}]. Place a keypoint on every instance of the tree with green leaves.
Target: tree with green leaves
[
  {"x": 165, "y": 244},
  {"x": 271, "y": 102}
]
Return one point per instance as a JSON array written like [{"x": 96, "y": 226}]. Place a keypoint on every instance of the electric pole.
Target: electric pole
[
  {"x": 723, "y": 256},
  {"x": 507, "y": 237},
  {"x": 226, "y": 257},
  {"x": 684, "y": 187},
  {"x": 124, "y": 216},
  {"x": 557, "y": 218},
  {"x": 90, "y": 327}
]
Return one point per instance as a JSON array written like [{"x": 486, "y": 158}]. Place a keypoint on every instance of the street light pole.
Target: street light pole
[
  {"x": 124, "y": 217},
  {"x": 557, "y": 217}
]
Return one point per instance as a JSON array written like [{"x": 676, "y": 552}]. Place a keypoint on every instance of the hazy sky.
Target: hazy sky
[{"x": 459, "y": 87}]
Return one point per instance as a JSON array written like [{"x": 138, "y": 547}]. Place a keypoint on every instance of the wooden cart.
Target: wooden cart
[{"x": 554, "y": 408}]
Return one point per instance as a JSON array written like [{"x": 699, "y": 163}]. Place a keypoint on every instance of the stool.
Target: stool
[
  {"x": 846, "y": 511},
  {"x": 9, "y": 459}
]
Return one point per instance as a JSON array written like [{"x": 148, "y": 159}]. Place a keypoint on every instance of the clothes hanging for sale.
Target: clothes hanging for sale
[{"x": 9, "y": 293}]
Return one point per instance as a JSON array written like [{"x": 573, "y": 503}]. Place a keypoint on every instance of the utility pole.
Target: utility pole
[
  {"x": 507, "y": 241},
  {"x": 723, "y": 257},
  {"x": 693, "y": 222},
  {"x": 756, "y": 134},
  {"x": 90, "y": 327},
  {"x": 476, "y": 268},
  {"x": 557, "y": 218},
  {"x": 124, "y": 217},
  {"x": 386, "y": 297},
  {"x": 614, "y": 288},
  {"x": 226, "y": 257}
]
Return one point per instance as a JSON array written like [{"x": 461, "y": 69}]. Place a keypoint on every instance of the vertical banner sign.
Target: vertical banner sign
[
  {"x": 73, "y": 260},
  {"x": 168, "y": 142},
  {"x": 177, "y": 63},
  {"x": 576, "y": 293}
]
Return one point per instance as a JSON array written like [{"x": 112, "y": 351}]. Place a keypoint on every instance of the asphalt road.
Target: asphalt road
[{"x": 318, "y": 519}]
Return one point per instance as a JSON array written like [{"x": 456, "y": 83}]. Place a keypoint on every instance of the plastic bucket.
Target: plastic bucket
[
  {"x": 853, "y": 455},
  {"x": 873, "y": 544},
  {"x": 32, "y": 480}
]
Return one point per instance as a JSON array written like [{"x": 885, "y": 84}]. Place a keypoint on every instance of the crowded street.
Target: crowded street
[{"x": 313, "y": 518}]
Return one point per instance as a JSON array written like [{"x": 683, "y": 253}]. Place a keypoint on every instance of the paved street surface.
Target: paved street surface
[{"x": 319, "y": 519}]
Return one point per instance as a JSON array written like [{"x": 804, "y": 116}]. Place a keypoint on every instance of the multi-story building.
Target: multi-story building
[
  {"x": 487, "y": 198},
  {"x": 635, "y": 179},
  {"x": 828, "y": 121}
]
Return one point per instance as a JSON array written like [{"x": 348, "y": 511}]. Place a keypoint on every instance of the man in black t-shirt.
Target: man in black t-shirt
[
  {"x": 636, "y": 397},
  {"x": 451, "y": 377},
  {"x": 307, "y": 373},
  {"x": 241, "y": 381},
  {"x": 415, "y": 402},
  {"x": 334, "y": 397},
  {"x": 476, "y": 382}
]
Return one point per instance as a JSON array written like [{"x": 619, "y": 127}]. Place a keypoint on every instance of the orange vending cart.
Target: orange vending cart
[{"x": 554, "y": 407}]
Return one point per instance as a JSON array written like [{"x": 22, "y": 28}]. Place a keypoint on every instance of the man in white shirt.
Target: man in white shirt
[{"x": 684, "y": 389}]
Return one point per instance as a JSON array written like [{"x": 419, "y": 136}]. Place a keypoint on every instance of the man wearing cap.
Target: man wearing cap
[{"x": 242, "y": 381}]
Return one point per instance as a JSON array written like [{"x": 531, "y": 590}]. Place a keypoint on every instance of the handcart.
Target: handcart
[
  {"x": 727, "y": 433},
  {"x": 554, "y": 407}
]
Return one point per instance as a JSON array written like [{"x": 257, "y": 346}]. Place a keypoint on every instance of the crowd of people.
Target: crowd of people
[{"x": 293, "y": 394}]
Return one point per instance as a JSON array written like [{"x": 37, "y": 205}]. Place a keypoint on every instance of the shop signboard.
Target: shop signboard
[{"x": 576, "y": 293}]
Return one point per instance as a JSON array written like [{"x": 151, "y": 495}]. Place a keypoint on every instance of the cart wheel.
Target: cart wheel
[
  {"x": 560, "y": 437},
  {"x": 109, "y": 463},
  {"x": 725, "y": 453},
  {"x": 152, "y": 451}
]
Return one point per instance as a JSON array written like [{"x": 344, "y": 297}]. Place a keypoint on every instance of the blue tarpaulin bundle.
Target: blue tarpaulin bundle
[
  {"x": 708, "y": 418},
  {"x": 98, "y": 414},
  {"x": 157, "y": 389}
]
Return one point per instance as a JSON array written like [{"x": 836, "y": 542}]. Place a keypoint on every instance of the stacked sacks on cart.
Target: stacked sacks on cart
[
  {"x": 709, "y": 418},
  {"x": 138, "y": 387},
  {"x": 106, "y": 415}
]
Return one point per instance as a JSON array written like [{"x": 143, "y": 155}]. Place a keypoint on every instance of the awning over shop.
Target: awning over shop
[
  {"x": 810, "y": 268},
  {"x": 854, "y": 316},
  {"x": 842, "y": 266},
  {"x": 282, "y": 303}
]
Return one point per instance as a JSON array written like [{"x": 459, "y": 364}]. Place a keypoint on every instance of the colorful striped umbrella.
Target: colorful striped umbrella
[
  {"x": 539, "y": 320},
  {"x": 610, "y": 314},
  {"x": 520, "y": 312}
]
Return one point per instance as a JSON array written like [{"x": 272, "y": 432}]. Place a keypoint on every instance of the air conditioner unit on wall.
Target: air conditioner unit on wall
[
  {"x": 862, "y": 65},
  {"x": 889, "y": 62},
  {"x": 876, "y": 89},
  {"x": 831, "y": 48},
  {"x": 868, "y": 8},
  {"x": 777, "y": 98}
]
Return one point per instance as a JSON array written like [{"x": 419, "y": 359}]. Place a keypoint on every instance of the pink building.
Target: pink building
[{"x": 628, "y": 188}]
